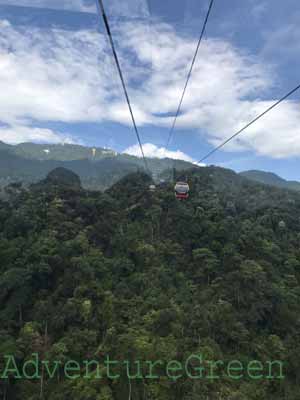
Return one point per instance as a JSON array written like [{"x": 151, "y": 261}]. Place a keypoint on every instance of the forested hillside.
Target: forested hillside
[
  {"x": 138, "y": 276},
  {"x": 270, "y": 178},
  {"x": 97, "y": 168}
]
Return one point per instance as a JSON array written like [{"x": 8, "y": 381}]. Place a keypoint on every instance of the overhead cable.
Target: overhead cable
[
  {"x": 249, "y": 124},
  {"x": 189, "y": 74},
  {"x": 108, "y": 30}
]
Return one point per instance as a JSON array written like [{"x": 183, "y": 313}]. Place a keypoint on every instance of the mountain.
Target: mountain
[
  {"x": 4, "y": 146},
  {"x": 206, "y": 290},
  {"x": 62, "y": 176},
  {"x": 269, "y": 178},
  {"x": 97, "y": 168},
  {"x": 57, "y": 152}
]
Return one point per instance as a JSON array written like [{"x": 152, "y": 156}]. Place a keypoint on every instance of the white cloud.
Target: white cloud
[
  {"x": 20, "y": 134},
  {"x": 221, "y": 97},
  {"x": 153, "y": 151},
  {"x": 55, "y": 75},
  {"x": 277, "y": 134},
  {"x": 52, "y": 75}
]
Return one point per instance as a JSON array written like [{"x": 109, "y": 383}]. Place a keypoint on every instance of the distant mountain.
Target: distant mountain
[
  {"x": 269, "y": 178},
  {"x": 5, "y": 146},
  {"x": 58, "y": 152},
  {"x": 98, "y": 168}
]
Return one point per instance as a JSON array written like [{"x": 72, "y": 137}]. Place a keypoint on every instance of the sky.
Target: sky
[{"x": 58, "y": 81}]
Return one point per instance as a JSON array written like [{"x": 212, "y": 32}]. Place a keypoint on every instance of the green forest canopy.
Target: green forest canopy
[{"x": 138, "y": 275}]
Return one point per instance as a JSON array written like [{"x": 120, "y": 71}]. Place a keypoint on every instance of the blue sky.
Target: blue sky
[{"x": 58, "y": 81}]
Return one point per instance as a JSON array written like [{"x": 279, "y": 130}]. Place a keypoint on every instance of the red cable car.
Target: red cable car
[{"x": 182, "y": 190}]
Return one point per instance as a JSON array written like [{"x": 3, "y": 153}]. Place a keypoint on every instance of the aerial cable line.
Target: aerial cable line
[
  {"x": 189, "y": 73},
  {"x": 249, "y": 124},
  {"x": 108, "y": 30}
]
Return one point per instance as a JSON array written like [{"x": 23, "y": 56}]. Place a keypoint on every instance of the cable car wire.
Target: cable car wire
[
  {"x": 249, "y": 124},
  {"x": 189, "y": 74},
  {"x": 108, "y": 30}
]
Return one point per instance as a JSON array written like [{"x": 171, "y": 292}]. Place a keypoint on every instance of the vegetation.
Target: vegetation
[
  {"x": 141, "y": 276},
  {"x": 97, "y": 168},
  {"x": 272, "y": 179}
]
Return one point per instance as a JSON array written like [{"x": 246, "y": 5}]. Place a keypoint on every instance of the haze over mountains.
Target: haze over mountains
[
  {"x": 98, "y": 168},
  {"x": 269, "y": 178}
]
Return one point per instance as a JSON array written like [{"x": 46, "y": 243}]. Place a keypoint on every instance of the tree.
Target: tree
[{"x": 205, "y": 264}]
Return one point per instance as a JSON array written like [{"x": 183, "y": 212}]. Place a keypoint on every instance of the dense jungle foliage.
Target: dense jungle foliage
[{"x": 142, "y": 276}]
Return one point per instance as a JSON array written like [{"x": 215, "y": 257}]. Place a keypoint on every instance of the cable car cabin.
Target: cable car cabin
[
  {"x": 182, "y": 190},
  {"x": 152, "y": 188}
]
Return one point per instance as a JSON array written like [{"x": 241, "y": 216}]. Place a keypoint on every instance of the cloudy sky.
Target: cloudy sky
[{"x": 58, "y": 81}]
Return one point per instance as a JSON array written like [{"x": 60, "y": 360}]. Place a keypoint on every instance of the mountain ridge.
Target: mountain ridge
[
  {"x": 98, "y": 168},
  {"x": 271, "y": 179}
]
